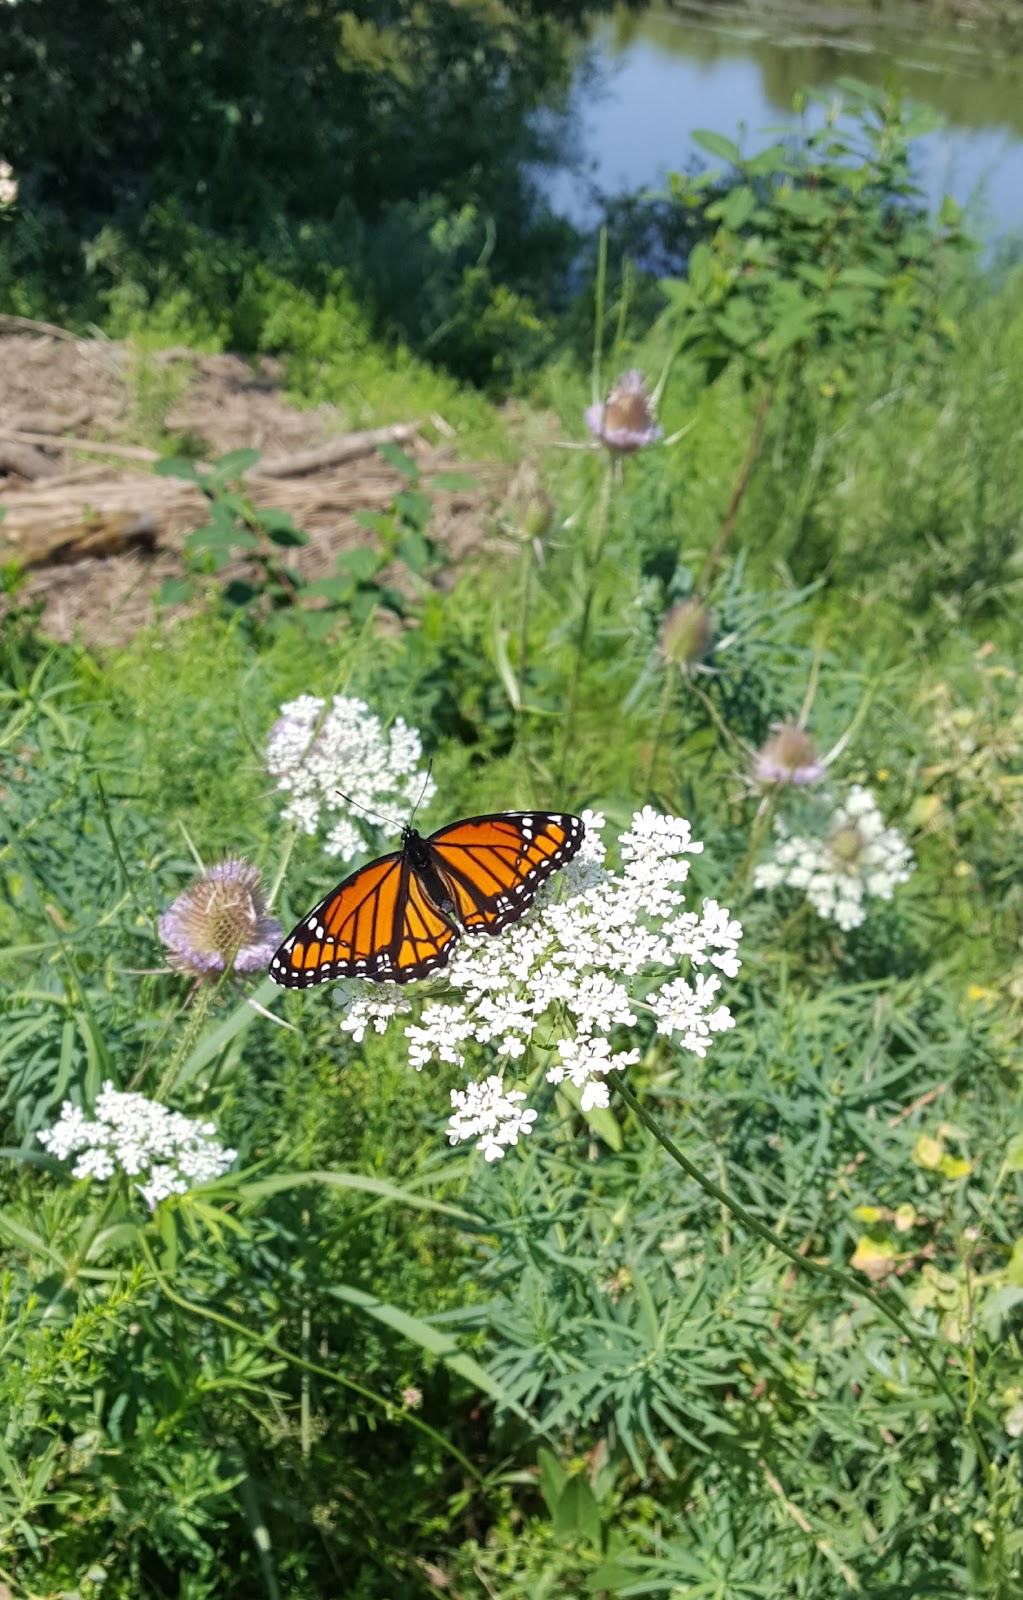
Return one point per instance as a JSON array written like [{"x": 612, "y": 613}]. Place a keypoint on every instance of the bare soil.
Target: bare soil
[{"x": 97, "y": 532}]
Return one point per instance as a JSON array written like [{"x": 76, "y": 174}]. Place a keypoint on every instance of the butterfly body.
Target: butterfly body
[{"x": 398, "y": 918}]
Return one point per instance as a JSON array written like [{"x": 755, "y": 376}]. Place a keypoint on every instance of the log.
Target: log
[
  {"x": 25, "y": 460},
  {"x": 54, "y": 524}
]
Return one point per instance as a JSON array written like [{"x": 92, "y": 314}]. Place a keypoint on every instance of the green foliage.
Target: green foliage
[
  {"x": 365, "y": 1362},
  {"x": 394, "y": 149},
  {"x": 245, "y": 544}
]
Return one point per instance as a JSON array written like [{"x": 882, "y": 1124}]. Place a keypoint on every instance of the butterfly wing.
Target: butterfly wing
[
  {"x": 377, "y": 924},
  {"x": 494, "y": 865}
]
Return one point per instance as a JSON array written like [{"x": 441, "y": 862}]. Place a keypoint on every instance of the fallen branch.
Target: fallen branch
[
  {"x": 12, "y": 324},
  {"x": 345, "y": 447},
  {"x": 127, "y": 452}
]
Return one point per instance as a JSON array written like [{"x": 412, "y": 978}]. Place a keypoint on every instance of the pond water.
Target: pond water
[{"x": 647, "y": 80}]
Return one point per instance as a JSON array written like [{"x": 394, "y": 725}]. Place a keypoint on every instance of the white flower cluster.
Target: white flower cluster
[
  {"x": 580, "y": 963},
  {"x": 141, "y": 1138},
  {"x": 8, "y": 185},
  {"x": 315, "y": 752},
  {"x": 857, "y": 859}
]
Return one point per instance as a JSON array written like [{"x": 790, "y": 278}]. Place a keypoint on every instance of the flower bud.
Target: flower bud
[
  {"x": 221, "y": 922},
  {"x": 788, "y": 756},
  {"x": 625, "y": 423},
  {"x": 686, "y": 633}
]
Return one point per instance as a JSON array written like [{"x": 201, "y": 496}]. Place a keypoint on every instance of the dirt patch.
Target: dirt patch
[{"x": 98, "y": 532}]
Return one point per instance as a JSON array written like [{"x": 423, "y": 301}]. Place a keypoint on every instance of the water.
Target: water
[{"x": 648, "y": 81}]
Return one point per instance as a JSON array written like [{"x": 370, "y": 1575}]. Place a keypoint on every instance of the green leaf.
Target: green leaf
[
  {"x": 434, "y": 1341},
  {"x": 400, "y": 461},
  {"x": 863, "y": 278},
  {"x": 716, "y": 145},
  {"x": 413, "y": 507},
  {"x": 176, "y": 467},
  {"x": 996, "y": 1308},
  {"x": 218, "y": 1038},
  {"x": 235, "y": 464},
  {"x": 175, "y": 591},
  {"x": 361, "y": 564},
  {"x": 601, "y": 1119},
  {"x": 279, "y": 526},
  {"x": 701, "y": 267},
  {"x": 553, "y": 1477},
  {"x": 414, "y": 551},
  {"x": 34, "y": 1243},
  {"x": 577, "y": 1515},
  {"x": 453, "y": 481},
  {"x": 33, "y": 1158},
  {"x": 260, "y": 1188},
  {"x": 739, "y": 207},
  {"x": 240, "y": 593},
  {"x": 376, "y": 521},
  {"x": 336, "y": 590}
]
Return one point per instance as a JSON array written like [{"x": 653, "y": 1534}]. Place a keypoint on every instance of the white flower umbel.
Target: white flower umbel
[
  {"x": 315, "y": 752},
  {"x": 856, "y": 860},
  {"x": 142, "y": 1138},
  {"x": 597, "y": 950}
]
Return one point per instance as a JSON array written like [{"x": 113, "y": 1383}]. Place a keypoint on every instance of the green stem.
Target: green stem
[
  {"x": 593, "y": 559},
  {"x": 200, "y": 1009},
  {"x": 805, "y": 1264},
  {"x": 667, "y": 695},
  {"x": 206, "y": 1314},
  {"x": 749, "y": 461},
  {"x": 758, "y": 832},
  {"x": 524, "y": 610}
]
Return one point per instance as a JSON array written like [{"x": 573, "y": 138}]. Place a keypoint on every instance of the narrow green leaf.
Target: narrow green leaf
[
  {"x": 433, "y": 1341},
  {"x": 17, "y": 1232},
  {"x": 212, "y": 1043},
  {"x": 260, "y": 1188},
  {"x": 716, "y": 145}
]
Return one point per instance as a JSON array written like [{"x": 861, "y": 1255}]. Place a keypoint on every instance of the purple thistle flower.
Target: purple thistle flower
[
  {"x": 625, "y": 423},
  {"x": 788, "y": 756},
  {"x": 221, "y": 922}
]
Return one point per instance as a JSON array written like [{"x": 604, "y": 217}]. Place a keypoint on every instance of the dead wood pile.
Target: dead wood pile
[{"x": 98, "y": 532}]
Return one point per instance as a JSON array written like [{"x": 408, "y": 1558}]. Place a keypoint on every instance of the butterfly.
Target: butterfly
[{"x": 398, "y": 918}]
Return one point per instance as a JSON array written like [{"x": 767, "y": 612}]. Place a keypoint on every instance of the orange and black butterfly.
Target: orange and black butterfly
[{"x": 398, "y": 918}]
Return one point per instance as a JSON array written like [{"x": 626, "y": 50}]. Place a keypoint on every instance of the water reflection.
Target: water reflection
[{"x": 651, "y": 79}]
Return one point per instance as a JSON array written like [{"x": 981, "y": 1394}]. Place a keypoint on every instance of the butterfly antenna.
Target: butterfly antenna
[
  {"x": 426, "y": 780},
  {"x": 388, "y": 822}
]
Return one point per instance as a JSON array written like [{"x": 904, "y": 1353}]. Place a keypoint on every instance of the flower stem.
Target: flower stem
[
  {"x": 756, "y": 440},
  {"x": 200, "y": 1009},
  {"x": 667, "y": 695},
  {"x": 593, "y": 559}
]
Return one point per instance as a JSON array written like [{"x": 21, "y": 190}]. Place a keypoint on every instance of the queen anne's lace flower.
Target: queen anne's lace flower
[
  {"x": 8, "y": 185},
  {"x": 315, "y": 753},
  {"x": 858, "y": 859},
  {"x": 490, "y": 1112},
  {"x": 579, "y": 965},
  {"x": 222, "y": 921},
  {"x": 141, "y": 1138}
]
